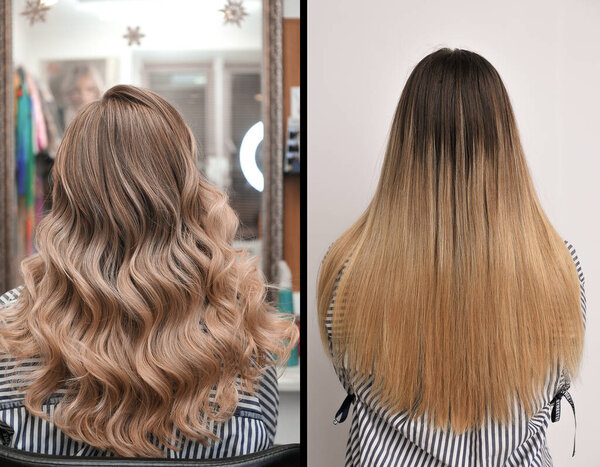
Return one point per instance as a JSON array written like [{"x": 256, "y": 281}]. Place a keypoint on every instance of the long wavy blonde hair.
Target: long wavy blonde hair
[
  {"x": 136, "y": 302},
  {"x": 457, "y": 295}
]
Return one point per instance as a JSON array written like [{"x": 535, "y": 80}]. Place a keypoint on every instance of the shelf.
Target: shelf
[{"x": 290, "y": 379}]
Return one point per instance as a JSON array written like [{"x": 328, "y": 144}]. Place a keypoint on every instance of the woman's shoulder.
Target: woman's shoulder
[
  {"x": 576, "y": 260},
  {"x": 13, "y": 372},
  {"x": 10, "y": 296},
  {"x": 579, "y": 269}
]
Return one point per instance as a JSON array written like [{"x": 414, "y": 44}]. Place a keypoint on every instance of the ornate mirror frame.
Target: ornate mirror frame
[
  {"x": 272, "y": 84},
  {"x": 8, "y": 210},
  {"x": 272, "y": 145}
]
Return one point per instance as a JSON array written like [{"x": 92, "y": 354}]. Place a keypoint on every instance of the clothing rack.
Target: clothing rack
[{"x": 37, "y": 137}]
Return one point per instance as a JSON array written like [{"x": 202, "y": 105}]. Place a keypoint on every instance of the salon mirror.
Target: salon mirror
[
  {"x": 205, "y": 57},
  {"x": 217, "y": 61}
]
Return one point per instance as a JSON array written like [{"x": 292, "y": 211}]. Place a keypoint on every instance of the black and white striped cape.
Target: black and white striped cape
[
  {"x": 250, "y": 429},
  {"x": 379, "y": 437}
]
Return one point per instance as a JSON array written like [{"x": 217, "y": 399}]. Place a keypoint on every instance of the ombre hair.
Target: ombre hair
[
  {"x": 136, "y": 302},
  {"x": 452, "y": 290}
]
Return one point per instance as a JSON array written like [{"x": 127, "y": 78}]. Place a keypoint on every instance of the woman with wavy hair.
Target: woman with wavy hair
[
  {"x": 139, "y": 330},
  {"x": 452, "y": 310}
]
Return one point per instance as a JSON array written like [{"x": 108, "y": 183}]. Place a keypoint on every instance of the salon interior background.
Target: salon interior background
[{"x": 88, "y": 30}]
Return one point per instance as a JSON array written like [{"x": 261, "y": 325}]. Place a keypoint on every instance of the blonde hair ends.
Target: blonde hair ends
[
  {"x": 458, "y": 296},
  {"x": 136, "y": 302}
]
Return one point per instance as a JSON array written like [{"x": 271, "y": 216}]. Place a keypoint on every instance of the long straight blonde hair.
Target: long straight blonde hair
[
  {"x": 457, "y": 295},
  {"x": 136, "y": 302}
]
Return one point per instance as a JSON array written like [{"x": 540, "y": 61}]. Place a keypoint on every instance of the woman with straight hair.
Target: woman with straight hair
[
  {"x": 139, "y": 330},
  {"x": 452, "y": 310}
]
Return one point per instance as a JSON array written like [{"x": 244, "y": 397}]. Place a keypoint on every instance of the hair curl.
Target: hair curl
[{"x": 136, "y": 302}]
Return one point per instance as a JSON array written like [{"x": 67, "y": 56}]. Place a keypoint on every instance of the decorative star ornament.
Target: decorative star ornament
[
  {"x": 234, "y": 12},
  {"x": 133, "y": 35},
  {"x": 35, "y": 11}
]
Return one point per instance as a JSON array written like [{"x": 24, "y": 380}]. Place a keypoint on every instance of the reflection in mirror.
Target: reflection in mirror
[{"x": 186, "y": 51}]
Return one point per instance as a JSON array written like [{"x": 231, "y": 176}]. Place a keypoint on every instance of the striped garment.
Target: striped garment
[
  {"x": 379, "y": 437},
  {"x": 250, "y": 429}
]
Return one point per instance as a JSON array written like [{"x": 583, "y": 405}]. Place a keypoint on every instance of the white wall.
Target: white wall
[
  {"x": 291, "y": 8},
  {"x": 359, "y": 57},
  {"x": 81, "y": 30}
]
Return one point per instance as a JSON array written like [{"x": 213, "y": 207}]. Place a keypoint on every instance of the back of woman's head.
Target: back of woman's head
[
  {"x": 457, "y": 293},
  {"x": 136, "y": 301}
]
